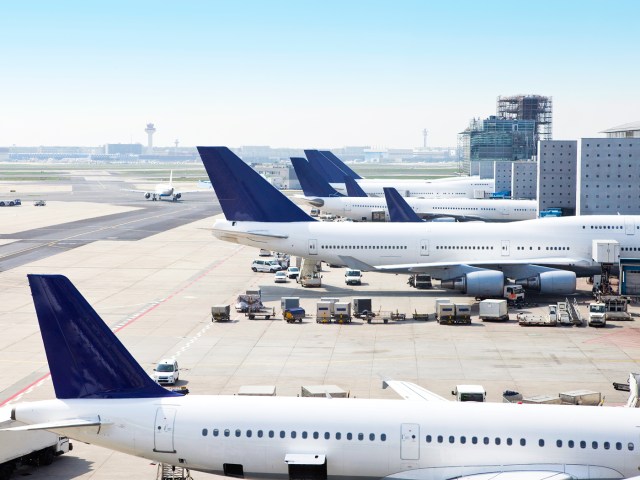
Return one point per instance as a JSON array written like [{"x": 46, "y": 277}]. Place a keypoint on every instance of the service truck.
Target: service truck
[
  {"x": 35, "y": 447},
  {"x": 470, "y": 393}
]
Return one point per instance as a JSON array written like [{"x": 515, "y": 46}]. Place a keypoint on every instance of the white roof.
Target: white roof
[{"x": 623, "y": 128}]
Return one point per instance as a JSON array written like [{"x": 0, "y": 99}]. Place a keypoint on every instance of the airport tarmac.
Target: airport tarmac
[{"x": 156, "y": 291}]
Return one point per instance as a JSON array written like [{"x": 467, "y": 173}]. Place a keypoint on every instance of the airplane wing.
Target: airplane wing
[
  {"x": 411, "y": 391},
  {"x": 57, "y": 424},
  {"x": 519, "y": 475},
  {"x": 256, "y": 236},
  {"x": 477, "y": 262}
]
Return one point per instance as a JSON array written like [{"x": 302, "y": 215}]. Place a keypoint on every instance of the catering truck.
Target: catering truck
[{"x": 35, "y": 447}]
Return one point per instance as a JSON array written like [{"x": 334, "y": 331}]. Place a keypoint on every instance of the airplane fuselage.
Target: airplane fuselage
[
  {"x": 359, "y": 438},
  {"x": 465, "y": 187},
  {"x": 362, "y": 208},
  {"x": 564, "y": 243}
]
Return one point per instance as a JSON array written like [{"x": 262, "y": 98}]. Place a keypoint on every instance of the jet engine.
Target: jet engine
[
  {"x": 553, "y": 281},
  {"x": 147, "y": 195},
  {"x": 481, "y": 283},
  {"x": 177, "y": 196}
]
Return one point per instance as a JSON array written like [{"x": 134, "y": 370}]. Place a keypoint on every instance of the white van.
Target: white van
[
  {"x": 270, "y": 266},
  {"x": 352, "y": 276},
  {"x": 166, "y": 371}
]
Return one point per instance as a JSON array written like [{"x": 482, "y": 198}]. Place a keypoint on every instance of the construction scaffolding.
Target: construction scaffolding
[{"x": 529, "y": 107}]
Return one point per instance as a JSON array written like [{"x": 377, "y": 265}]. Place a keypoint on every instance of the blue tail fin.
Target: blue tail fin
[
  {"x": 324, "y": 167},
  {"x": 243, "y": 194},
  {"x": 85, "y": 357},
  {"x": 353, "y": 189},
  {"x": 399, "y": 209},
  {"x": 313, "y": 185},
  {"x": 340, "y": 164}
]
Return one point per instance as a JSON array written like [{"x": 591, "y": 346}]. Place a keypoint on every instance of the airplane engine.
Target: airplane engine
[
  {"x": 553, "y": 281},
  {"x": 177, "y": 196},
  {"x": 147, "y": 195},
  {"x": 483, "y": 283}
]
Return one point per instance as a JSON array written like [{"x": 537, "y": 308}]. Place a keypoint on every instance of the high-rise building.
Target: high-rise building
[{"x": 529, "y": 107}]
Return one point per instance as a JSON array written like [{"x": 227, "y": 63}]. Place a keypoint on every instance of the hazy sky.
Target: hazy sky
[{"x": 308, "y": 74}]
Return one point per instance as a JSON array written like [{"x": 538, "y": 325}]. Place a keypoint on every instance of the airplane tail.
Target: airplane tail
[
  {"x": 340, "y": 164},
  {"x": 324, "y": 167},
  {"x": 313, "y": 185},
  {"x": 85, "y": 357},
  {"x": 243, "y": 194},
  {"x": 353, "y": 189},
  {"x": 399, "y": 209}
]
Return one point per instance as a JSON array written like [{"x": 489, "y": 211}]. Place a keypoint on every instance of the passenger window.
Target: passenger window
[
  {"x": 463, "y": 439},
  {"x": 559, "y": 443},
  {"x": 249, "y": 433},
  {"x": 271, "y": 433},
  {"x": 440, "y": 438},
  {"x": 215, "y": 432},
  {"x": 583, "y": 444},
  {"x": 383, "y": 437},
  {"x": 259, "y": 433},
  {"x": 451, "y": 439},
  {"x": 361, "y": 436},
  {"x": 238, "y": 432},
  {"x": 541, "y": 442},
  {"x": 282, "y": 433},
  {"x": 630, "y": 446},
  {"x": 594, "y": 445},
  {"x": 204, "y": 432},
  {"x": 497, "y": 440},
  {"x": 428, "y": 438},
  {"x": 316, "y": 435},
  {"x": 327, "y": 435},
  {"x": 304, "y": 434},
  {"x": 338, "y": 435},
  {"x": 349, "y": 436},
  {"x": 474, "y": 440},
  {"x": 372, "y": 436},
  {"x": 618, "y": 446},
  {"x": 509, "y": 441},
  {"x": 523, "y": 442},
  {"x": 485, "y": 440},
  {"x": 293, "y": 434},
  {"x": 227, "y": 432},
  {"x": 606, "y": 445}
]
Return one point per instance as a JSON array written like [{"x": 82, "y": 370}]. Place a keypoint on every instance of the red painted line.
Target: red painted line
[{"x": 133, "y": 319}]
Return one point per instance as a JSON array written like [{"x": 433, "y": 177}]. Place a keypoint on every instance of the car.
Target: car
[
  {"x": 280, "y": 277},
  {"x": 265, "y": 266},
  {"x": 352, "y": 276},
  {"x": 264, "y": 253},
  {"x": 39, "y": 203},
  {"x": 293, "y": 272},
  {"x": 167, "y": 371}
]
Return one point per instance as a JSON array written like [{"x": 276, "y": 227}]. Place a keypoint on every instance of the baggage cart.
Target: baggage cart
[
  {"x": 263, "y": 312},
  {"x": 221, "y": 313},
  {"x": 293, "y": 314}
]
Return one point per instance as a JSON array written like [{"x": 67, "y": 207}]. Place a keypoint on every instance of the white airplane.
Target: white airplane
[
  {"x": 543, "y": 254},
  {"x": 163, "y": 190},
  {"x": 319, "y": 193},
  {"x": 453, "y": 187},
  {"x": 104, "y": 397}
]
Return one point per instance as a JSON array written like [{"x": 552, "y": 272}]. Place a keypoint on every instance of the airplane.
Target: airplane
[
  {"x": 545, "y": 254},
  {"x": 319, "y": 193},
  {"x": 164, "y": 190},
  {"x": 104, "y": 397},
  {"x": 452, "y": 187}
]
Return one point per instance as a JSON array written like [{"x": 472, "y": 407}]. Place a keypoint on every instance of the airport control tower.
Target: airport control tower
[{"x": 150, "y": 131}]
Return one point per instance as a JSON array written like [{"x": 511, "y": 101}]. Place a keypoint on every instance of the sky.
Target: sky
[{"x": 308, "y": 74}]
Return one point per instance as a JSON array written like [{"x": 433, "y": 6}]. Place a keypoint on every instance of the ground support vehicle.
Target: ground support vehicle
[
  {"x": 352, "y": 277},
  {"x": 422, "y": 317},
  {"x": 323, "y": 312},
  {"x": 342, "y": 312},
  {"x": 615, "y": 307},
  {"x": 420, "y": 281},
  {"x": 470, "y": 393},
  {"x": 221, "y": 313},
  {"x": 263, "y": 312},
  {"x": 35, "y": 447},
  {"x": 597, "y": 315},
  {"x": 446, "y": 313},
  {"x": 39, "y": 203},
  {"x": 10, "y": 203},
  {"x": 293, "y": 314},
  {"x": 514, "y": 295},
  {"x": 361, "y": 306},
  {"x": 311, "y": 280},
  {"x": 494, "y": 310},
  {"x": 533, "y": 320},
  {"x": 249, "y": 301}
]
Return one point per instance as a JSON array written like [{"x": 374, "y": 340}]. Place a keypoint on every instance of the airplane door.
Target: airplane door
[
  {"x": 410, "y": 441},
  {"x": 424, "y": 248},
  {"x": 163, "y": 431},
  {"x": 504, "y": 248},
  {"x": 629, "y": 226},
  {"x": 313, "y": 247}
]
